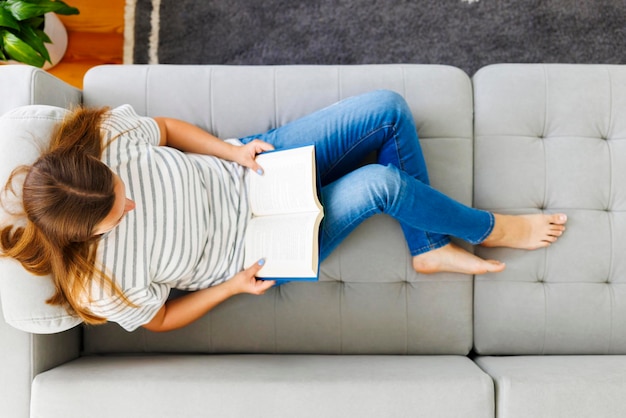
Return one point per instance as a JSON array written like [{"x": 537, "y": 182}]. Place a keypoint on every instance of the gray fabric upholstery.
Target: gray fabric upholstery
[
  {"x": 553, "y": 138},
  {"x": 22, "y": 85},
  {"x": 16, "y": 375},
  {"x": 558, "y": 386},
  {"x": 370, "y": 301},
  {"x": 263, "y": 386}
]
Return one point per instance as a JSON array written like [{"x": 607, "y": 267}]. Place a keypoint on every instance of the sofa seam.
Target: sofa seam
[
  {"x": 147, "y": 91},
  {"x": 31, "y": 338},
  {"x": 275, "y": 88},
  {"x": 543, "y": 139},
  {"x": 543, "y": 205},
  {"x": 611, "y": 107},
  {"x": 211, "y": 103},
  {"x": 210, "y": 321},
  {"x": 339, "y": 84},
  {"x": 609, "y": 214},
  {"x": 276, "y": 293},
  {"x": 406, "y": 315},
  {"x": 342, "y": 286},
  {"x": 404, "y": 90},
  {"x": 33, "y": 83},
  {"x": 610, "y": 285},
  {"x": 608, "y": 143},
  {"x": 545, "y": 317}
]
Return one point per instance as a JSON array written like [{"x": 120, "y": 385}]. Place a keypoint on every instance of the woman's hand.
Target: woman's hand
[
  {"x": 246, "y": 282},
  {"x": 182, "y": 311},
  {"x": 246, "y": 154},
  {"x": 190, "y": 138}
]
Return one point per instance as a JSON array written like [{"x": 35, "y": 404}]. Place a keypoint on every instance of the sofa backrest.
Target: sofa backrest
[
  {"x": 369, "y": 300},
  {"x": 22, "y": 85},
  {"x": 552, "y": 138}
]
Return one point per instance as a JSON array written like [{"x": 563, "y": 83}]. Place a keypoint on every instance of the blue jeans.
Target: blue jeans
[{"x": 397, "y": 185}]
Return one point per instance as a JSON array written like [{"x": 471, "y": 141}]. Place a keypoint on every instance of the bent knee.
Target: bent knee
[
  {"x": 384, "y": 179},
  {"x": 388, "y": 99},
  {"x": 391, "y": 101}
]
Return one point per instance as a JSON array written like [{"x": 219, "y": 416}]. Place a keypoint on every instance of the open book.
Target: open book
[{"x": 286, "y": 215}]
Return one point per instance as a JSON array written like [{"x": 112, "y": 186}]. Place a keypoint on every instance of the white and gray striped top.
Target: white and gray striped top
[{"x": 186, "y": 231}]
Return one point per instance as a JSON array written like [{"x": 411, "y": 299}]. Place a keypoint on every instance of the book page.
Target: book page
[
  {"x": 288, "y": 184},
  {"x": 288, "y": 243}
]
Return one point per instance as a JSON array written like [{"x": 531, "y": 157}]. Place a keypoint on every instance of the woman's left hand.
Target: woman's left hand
[
  {"x": 246, "y": 155},
  {"x": 246, "y": 282}
]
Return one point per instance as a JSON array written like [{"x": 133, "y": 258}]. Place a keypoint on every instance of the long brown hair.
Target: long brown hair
[{"x": 65, "y": 194}]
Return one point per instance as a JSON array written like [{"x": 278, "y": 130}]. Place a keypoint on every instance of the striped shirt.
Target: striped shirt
[{"x": 186, "y": 231}]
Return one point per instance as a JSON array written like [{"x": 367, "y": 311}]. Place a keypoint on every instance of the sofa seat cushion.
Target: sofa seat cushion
[
  {"x": 258, "y": 385},
  {"x": 558, "y": 386},
  {"x": 549, "y": 139}
]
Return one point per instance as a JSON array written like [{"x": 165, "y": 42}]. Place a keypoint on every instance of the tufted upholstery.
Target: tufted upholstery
[
  {"x": 370, "y": 301},
  {"x": 552, "y": 138}
]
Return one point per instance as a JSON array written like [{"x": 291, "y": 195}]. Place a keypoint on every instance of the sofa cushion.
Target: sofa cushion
[
  {"x": 552, "y": 138},
  {"x": 368, "y": 300},
  {"x": 24, "y": 134},
  {"x": 264, "y": 386},
  {"x": 558, "y": 386}
]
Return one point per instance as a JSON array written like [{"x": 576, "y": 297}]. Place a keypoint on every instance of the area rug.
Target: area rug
[{"x": 465, "y": 33}]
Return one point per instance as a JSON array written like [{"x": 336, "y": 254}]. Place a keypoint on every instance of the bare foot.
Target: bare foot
[
  {"x": 453, "y": 259},
  {"x": 527, "y": 232}
]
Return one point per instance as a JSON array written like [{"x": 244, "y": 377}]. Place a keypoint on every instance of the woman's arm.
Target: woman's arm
[
  {"x": 186, "y": 137},
  {"x": 183, "y": 311}
]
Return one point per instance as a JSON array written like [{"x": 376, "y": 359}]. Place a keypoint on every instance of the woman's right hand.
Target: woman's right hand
[
  {"x": 246, "y": 282},
  {"x": 182, "y": 311}
]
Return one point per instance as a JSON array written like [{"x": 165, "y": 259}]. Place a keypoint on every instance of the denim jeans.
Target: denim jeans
[{"x": 397, "y": 185}]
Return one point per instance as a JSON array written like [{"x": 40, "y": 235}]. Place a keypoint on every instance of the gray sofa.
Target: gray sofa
[{"x": 545, "y": 338}]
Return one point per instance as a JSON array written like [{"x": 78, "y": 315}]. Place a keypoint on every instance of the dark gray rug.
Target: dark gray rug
[{"x": 465, "y": 33}]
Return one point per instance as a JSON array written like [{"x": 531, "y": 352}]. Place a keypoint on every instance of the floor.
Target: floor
[{"x": 95, "y": 36}]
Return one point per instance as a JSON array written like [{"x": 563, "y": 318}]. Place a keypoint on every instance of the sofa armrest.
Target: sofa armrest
[
  {"x": 23, "y": 355},
  {"x": 23, "y": 85}
]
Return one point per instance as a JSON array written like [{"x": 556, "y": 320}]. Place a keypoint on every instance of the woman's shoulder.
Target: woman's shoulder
[
  {"x": 123, "y": 112},
  {"x": 124, "y": 122}
]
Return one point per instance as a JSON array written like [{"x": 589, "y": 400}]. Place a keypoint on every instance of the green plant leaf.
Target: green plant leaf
[
  {"x": 19, "y": 50},
  {"x": 35, "y": 22},
  {"x": 43, "y": 36},
  {"x": 32, "y": 38},
  {"x": 25, "y": 9},
  {"x": 6, "y": 18}
]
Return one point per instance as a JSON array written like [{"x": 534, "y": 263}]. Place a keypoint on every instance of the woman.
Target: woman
[{"x": 114, "y": 259}]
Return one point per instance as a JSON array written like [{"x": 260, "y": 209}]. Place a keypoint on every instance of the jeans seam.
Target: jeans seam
[
  {"x": 397, "y": 147},
  {"x": 432, "y": 246},
  {"x": 489, "y": 230},
  {"x": 356, "y": 144}
]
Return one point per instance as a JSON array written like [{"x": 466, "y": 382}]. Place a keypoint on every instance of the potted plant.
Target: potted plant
[{"x": 22, "y": 36}]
